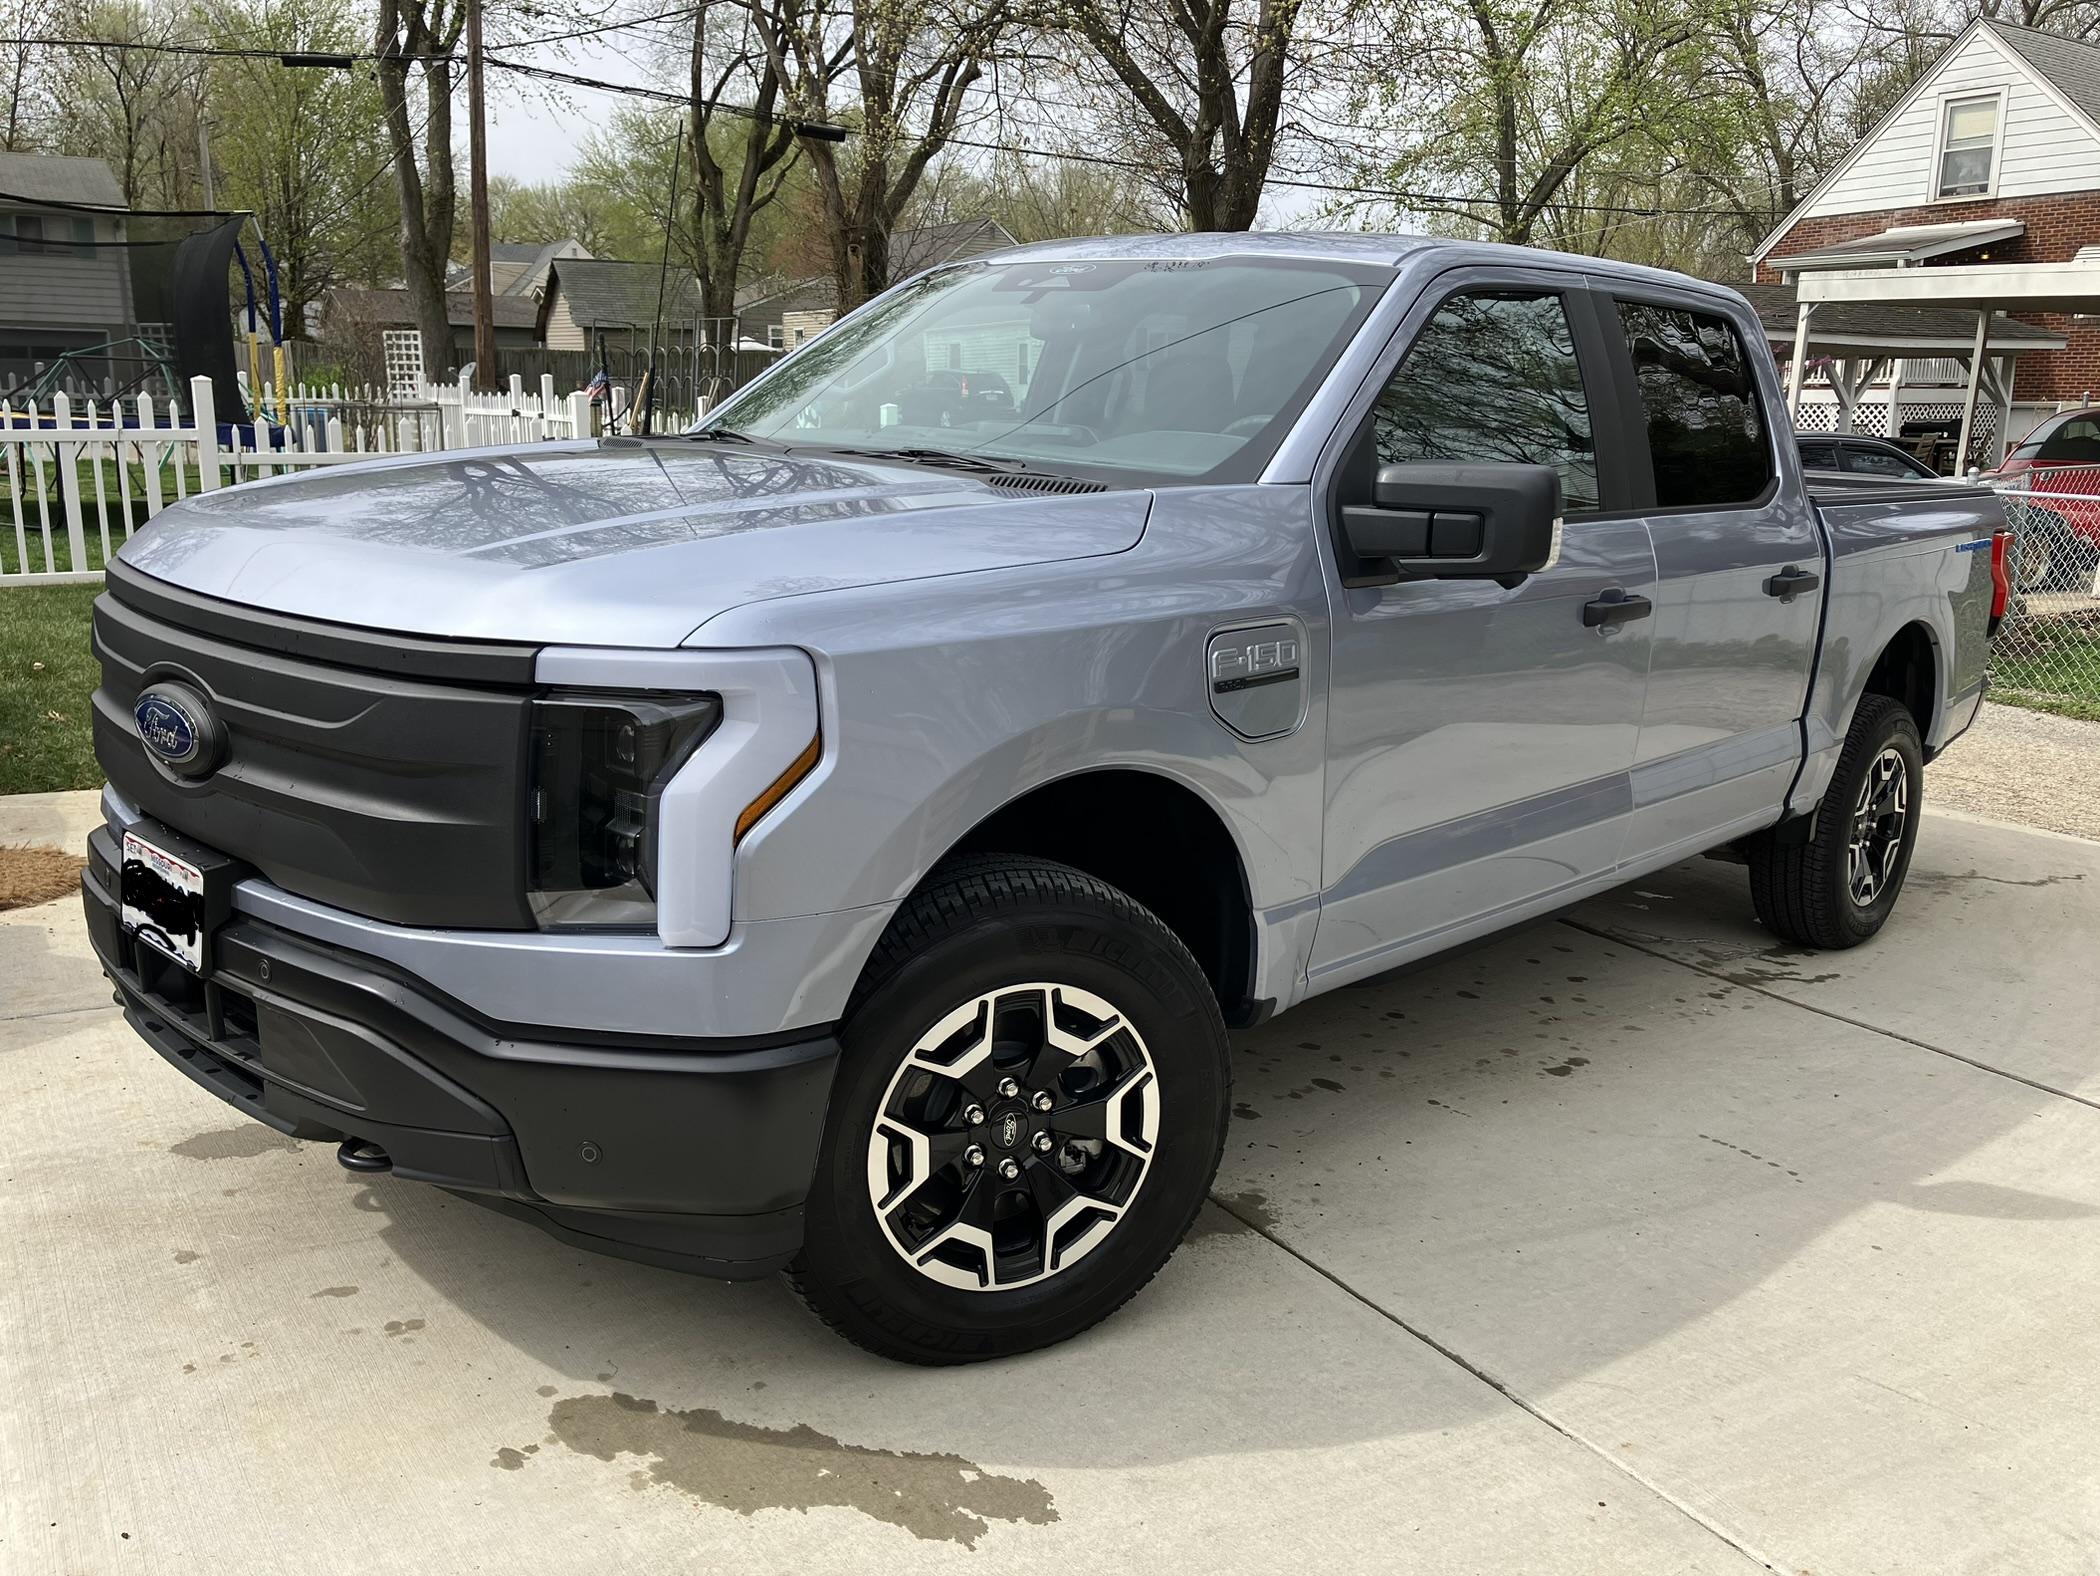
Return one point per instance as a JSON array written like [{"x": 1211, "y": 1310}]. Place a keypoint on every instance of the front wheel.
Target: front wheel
[
  {"x": 1838, "y": 887},
  {"x": 1028, "y": 1115}
]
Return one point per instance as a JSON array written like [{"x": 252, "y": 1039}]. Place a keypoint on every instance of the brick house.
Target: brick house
[{"x": 1993, "y": 156}]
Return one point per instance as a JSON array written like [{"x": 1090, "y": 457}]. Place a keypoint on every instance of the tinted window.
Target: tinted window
[
  {"x": 1705, "y": 430},
  {"x": 1882, "y": 462},
  {"x": 1493, "y": 376},
  {"x": 1819, "y": 456},
  {"x": 2077, "y": 440}
]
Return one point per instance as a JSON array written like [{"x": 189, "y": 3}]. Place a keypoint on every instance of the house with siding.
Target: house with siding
[
  {"x": 518, "y": 268},
  {"x": 1992, "y": 156},
  {"x": 65, "y": 279},
  {"x": 782, "y": 313},
  {"x": 625, "y": 302}
]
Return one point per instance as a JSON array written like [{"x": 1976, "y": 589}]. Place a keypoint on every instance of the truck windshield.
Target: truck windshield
[{"x": 1131, "y": 370}]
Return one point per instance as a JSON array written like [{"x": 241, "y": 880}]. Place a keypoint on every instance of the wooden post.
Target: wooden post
[
  {"x": 478, "y": 206},
  {"x": 1797, "y": 370},
  {"x": 68, "y": 457},
  {"x": 580, "y": 416},
  {"x": 205, "y": 414},
  {"x": 1968, "y": 403}
]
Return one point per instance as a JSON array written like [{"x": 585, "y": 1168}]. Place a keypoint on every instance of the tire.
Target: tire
[
  {"x": 1812, "y": 892},
  {"x": 903, "y": 1252}
]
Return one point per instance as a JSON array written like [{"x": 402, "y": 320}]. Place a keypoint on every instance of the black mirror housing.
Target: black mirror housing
[{"x": 1432, "y": 520}]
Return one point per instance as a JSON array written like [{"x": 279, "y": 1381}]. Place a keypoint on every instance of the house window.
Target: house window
[
  {"x": 1968, "y": 142},
  {"x": 31, "y": 235},
  {"x": 775, "y": 335}
]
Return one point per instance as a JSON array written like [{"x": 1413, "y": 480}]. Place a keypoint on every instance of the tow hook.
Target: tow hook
[{"x": 361, "y": 1154}]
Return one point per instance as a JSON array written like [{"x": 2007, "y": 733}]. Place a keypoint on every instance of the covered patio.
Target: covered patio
[
  {"x": 1976, "y": 292},
  {"x": 1862, "y": 343}
]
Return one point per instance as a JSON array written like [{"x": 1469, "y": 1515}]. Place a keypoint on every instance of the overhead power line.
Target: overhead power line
[{"x": 834, "y": 133}]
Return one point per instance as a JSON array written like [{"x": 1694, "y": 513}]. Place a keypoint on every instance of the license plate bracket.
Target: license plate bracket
[{"x": 173, "y": 893}]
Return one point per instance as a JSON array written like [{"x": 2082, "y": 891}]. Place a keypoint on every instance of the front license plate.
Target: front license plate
[{"x": 162, "y": 901}]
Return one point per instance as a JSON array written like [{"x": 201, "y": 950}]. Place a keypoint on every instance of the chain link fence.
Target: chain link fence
[{"x": 2047, "y": 652}]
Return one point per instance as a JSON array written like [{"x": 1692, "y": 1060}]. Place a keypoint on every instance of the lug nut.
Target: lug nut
[
  {"x": 973, "y": 1116},
  {"x": 973, "y": 1156},
  {"x": 1008, "y": 1088},
  {"x": 1041, "y": 1100},
  {"x": 1044, "y": 1143},
  {"x": 1009, "y": 1169}
]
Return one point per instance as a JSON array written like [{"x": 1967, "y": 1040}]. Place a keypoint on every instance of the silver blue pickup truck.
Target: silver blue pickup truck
[{"x": 840, "y": 839}]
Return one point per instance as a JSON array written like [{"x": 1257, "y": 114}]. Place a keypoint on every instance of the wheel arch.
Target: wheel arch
[
  {"x": 1910, "y": 670},
  {"x": 1155, "y": 837}
]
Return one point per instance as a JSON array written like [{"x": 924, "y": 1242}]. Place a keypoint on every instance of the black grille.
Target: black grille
[
  {"x": 1011, "y": 482},
  {"x": 387, "y": 795}
]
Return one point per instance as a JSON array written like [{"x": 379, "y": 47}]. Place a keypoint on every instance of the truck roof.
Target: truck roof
[{"x": 1344, "y": 246}]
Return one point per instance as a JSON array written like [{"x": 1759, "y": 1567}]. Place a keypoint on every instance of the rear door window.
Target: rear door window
[
  {"x": 1493, "y": 376},
  {"x": 1819, "y": 457},
  {"x": 2076, "y": 442},
  {"x": 1706, "y": 431},
  {"x": 1863, "y": 461}
]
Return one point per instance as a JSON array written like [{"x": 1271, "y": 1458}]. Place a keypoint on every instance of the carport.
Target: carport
[
  {"x": 1979, "y": 290},
  {"x": 1861, "y": 340}
]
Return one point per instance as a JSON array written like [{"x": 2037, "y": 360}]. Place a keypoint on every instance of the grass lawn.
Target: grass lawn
[
  {"x": 47, "y": 674},
  {"x": 2050, "y": 665}
]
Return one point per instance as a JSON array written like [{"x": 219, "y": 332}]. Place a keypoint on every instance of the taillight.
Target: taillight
[{"x": 2001, "y": 578}]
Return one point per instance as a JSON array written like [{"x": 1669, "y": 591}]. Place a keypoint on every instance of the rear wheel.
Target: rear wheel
[
  {"x": 1027, "y": 1117},
  {"x": 1838, "y": 887}
]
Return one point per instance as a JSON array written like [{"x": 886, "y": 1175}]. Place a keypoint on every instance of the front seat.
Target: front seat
[{"x": 1189, "y": 389}]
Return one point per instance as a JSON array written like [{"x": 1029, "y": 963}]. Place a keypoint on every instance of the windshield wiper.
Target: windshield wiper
[
  {"x": 719, "y": 435},
  {"x": 942, "y": 457}
]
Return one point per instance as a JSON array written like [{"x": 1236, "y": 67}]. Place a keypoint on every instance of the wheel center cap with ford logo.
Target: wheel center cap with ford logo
[{"x": 178, "y": 729}]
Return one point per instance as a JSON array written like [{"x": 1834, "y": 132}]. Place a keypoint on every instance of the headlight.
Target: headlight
[{"x": 599, "y": 767}]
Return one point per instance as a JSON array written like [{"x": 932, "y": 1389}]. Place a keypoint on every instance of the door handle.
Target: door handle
[
  {"x": 1790, "y": 582},
  {"x": 1615, "y": 607}
]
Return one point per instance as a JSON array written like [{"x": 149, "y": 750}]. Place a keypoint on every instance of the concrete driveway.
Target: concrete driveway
[{"x": 1628, "y": 1243}]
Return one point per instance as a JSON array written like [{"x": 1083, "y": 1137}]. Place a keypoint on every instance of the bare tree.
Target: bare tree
[
  {"x": 741, "y": 154},
  {"x": 1207, "y": 80},
  {"x": 901, "y": 71},
  {"x": 416, "y": 39}
]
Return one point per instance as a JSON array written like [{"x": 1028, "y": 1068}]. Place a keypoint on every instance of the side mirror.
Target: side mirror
[{"x": 1431, "y": 520}]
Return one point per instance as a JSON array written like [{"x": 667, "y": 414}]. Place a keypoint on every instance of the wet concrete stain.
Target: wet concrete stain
[
  {"x": 746, "y": 1467},
  {"x": 1757, "y": 977},
  {"x": 1248, "y": 1211},
  {"x": 1245, "y": 1112},
  {"x": 233, "y": 1143},
  {"x": 1939, "y": 878},
  {"x": 399, "y": 1327},
  {"x": 187, "y": 1256},
  {"x": 336, "y": 1291},
  {"x": 1567, "y": 1068},
  {"x": 1749, "y": 1154}
]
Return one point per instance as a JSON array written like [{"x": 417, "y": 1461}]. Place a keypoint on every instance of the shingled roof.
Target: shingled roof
[
  {"x": 605, "y": 293},
  {"x": 1929, "y": 330},
  {"x": 52, "y": 177},
  {"x": 2069, "y": 65}
]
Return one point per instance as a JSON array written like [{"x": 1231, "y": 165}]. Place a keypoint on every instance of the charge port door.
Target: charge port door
[{"x": 1256, "y": 678}]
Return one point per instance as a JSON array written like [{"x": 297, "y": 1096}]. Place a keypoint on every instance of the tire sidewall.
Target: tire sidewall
[
  {"x": 1894, "y": 729},
  {"x": 1168, "y": 1004}
]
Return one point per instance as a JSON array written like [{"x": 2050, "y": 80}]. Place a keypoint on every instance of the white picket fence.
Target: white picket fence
[{"x": 81, "y": 479}]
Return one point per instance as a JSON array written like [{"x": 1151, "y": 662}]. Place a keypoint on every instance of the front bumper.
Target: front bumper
[{"x": 692, "y": 1154}]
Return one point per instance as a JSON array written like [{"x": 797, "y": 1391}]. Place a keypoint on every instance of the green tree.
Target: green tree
[{"x": 323, "y": 202}]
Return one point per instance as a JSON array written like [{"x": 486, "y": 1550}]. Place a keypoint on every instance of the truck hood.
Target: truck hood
[{"x": 618, "y": 542}]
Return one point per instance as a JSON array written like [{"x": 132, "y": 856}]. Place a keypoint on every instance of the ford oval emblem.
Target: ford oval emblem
[{"x": 175, "y": 727}]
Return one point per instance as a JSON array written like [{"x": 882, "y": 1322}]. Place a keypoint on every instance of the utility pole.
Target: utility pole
[
  {"x": 211, "y": 196},
  {"x": 478, "y": 205}
]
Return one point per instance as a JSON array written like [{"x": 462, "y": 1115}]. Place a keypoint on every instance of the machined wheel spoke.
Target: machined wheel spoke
[
  {"x": 976, "y": 1143},
  {"x": 1104, "y": 1114}
]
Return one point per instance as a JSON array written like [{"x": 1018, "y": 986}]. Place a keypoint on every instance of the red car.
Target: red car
[{"x": 2058, "y": 463}]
